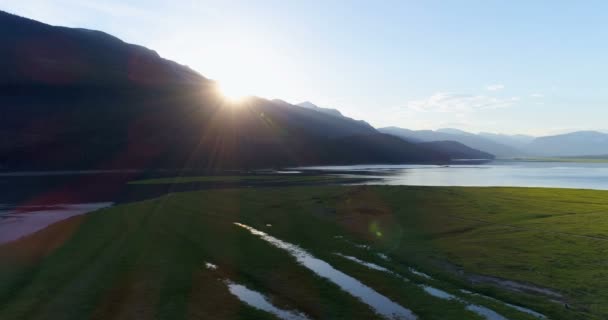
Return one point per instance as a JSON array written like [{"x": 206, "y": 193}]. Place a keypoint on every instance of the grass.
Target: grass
[
  {"x": 244, "y": 178},
  {"x": 146, "y": 259}
]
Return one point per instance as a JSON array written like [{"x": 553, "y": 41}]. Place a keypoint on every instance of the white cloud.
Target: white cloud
[
  {"x": 495, "y": 87},
  {"x": 537, "y": 95},
  {"x": 456, "y": 102}
]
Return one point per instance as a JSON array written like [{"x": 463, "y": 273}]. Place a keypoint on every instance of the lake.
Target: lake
[
  {"x": 496, "y": 173},
  {"x": 30, "y": 201}
]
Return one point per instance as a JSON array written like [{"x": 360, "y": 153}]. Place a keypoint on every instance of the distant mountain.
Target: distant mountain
[
  {"x": 516, "y": 141},
  {"x": 468, "y": 139},
  {"x": 457, "y": 150},
  {"x": 454, "y": 131},
  {"x": 82, "y": 99},
  {"x": 310, "y": 105},
  {"x": 579, "y": 143}
]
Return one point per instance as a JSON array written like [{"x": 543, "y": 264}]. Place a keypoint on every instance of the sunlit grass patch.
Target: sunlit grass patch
[{"x": 149, "y": 259}]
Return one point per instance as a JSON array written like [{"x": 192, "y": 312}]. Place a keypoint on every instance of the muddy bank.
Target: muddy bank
[{"x": 23, "y": 221}]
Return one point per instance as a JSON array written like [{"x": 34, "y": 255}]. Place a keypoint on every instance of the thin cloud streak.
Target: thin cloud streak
[
  {"x": 460, "y": 103},
  {"x": 495, "y": 87}
]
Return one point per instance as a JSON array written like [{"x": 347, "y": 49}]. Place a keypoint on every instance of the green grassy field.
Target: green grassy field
[
  {"x": 147, "y": 259},
  {"x": 296, "y": 178}
]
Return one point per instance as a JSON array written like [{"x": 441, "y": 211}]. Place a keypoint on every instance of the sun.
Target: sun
[{"x": 233, "y": 91}]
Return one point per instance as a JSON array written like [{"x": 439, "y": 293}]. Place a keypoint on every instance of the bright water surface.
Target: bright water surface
[
  {"x": 381, "y": 304},
  {"x": 496, "y": 173}
]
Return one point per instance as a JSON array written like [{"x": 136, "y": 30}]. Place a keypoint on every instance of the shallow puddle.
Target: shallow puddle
[
  {"x": 364, "y": 263},
  {"x": 480, "y": 310},
  {"x": 381, "y": 304},
  {"x": 420, "y": 274},
  {"x": 518, "y": 308},
  {"x": 485, "y": 312},
  {"x": 259, "y": 301},
  {"x": 438, "y": 293},
  {"x": 384, "y": 257}
]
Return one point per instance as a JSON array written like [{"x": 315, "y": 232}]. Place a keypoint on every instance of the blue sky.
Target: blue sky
[{"x": 536, "y": 67}]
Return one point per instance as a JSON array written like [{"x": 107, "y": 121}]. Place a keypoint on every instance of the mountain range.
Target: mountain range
[
  {"x": 310, "y": 105},
  {"x": 75, "y": 98},
  {"x": 579, "y": 143},
  {"x": 468, "y": 139}
]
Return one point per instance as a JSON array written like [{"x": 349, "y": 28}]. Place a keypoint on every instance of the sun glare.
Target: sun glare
[
  {"x": 246, "y": 65},
  {"x": 233, "y": 92}
]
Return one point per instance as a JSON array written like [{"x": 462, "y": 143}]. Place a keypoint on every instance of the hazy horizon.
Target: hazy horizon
[{"x": 411, "y": 65}]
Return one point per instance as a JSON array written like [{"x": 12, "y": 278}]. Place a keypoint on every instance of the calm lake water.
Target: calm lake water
[
  {"x": 497, "y": 173},
  {"x": 30, "y": 201}
]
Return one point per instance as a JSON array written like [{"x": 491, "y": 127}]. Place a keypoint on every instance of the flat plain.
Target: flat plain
[{"x": 440, "y": 252}]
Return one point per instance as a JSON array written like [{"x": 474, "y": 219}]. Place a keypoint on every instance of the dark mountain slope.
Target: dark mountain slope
[
  {"x": 310, "y": 105},
  {"x": 336, "y": 113},
  {"x": 176, "y": 128},
  {"x": 36, "y": 53},
  {"x": 75, "y": 98}
]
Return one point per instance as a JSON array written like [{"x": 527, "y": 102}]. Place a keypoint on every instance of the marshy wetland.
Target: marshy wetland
[{"x": 307, "y": 249}]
